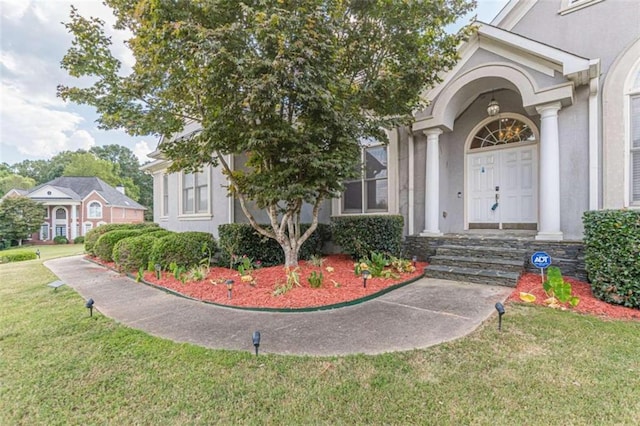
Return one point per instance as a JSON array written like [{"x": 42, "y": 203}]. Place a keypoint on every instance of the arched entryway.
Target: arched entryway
[
  {"x": 61, "y": 222},
  {"x": 501, "y": 174}
]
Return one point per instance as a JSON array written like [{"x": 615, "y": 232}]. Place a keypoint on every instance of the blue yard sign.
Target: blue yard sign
[{"x": 541, "y": 260}]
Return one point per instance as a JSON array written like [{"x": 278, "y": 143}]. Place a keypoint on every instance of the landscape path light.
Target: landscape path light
[
  {"x": 229, "y": 284},
  {"x": 500, "y": 309},
  {"x": 365, "y": 276},
  {"x": 89, "y": 305},
  {"x": 256, "y": 340}
]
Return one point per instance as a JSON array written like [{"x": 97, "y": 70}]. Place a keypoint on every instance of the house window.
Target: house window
[
  {"x": 44, "y": 232},
  {"x": 502, "y": 131},
  {"x": 61, "y": 214},
  {"x": 95, "y": 210},
  {"x": 195, "y": 193},
  {"x": 635, "y": 146},
  {"x": 369, "y": 193},
  {"x": 88, "y": 226},
  {"x": 165, "y": 195},
  {"x": 61, "y": 230}
]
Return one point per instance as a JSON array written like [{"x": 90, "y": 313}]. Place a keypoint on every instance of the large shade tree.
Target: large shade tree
[
  {"x": 19, "y": 218},
  {"x": 294, "y": 85}
]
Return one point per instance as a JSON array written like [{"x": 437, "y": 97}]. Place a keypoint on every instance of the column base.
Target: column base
[
  {"x": 427, "y": 233},
  {"x": 549, "y": 236}
]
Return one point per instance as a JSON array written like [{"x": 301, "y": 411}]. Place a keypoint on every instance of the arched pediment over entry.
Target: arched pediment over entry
[{"x": 462, "y": 91}]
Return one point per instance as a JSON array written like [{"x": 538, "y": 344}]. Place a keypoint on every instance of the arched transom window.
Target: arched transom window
[
  {"x": 95, "y": 210},
  {"x": 502, "y": 131}
]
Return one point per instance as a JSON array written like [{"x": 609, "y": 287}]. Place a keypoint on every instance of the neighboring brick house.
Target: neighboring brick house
[{"x": 75, "y": 205}]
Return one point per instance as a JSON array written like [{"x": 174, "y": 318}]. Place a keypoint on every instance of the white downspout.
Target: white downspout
[{"x": 231, "y": 210}]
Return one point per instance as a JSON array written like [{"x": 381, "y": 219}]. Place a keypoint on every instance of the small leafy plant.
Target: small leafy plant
[
  {"x": 315, "y": 279},
  {"x": 316, "y": 260},
  {"x": 558, "y": 289}
]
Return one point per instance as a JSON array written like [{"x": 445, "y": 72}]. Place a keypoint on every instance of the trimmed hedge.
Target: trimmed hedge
[
  {"x": 358, "y": 236},
  {"x": 183, "y": 248},
  {"x": 132, "y": 253},
  {"x": 17, "y": 256},
  {"x": 104, "y": 246},
  {"x": 59, "y": 239},
  {"x": 242, "y": 239},
  {"x": 92, "y": 236},
  {"x": 78, "y": 240},
  {"x": 612, "y": 255}
]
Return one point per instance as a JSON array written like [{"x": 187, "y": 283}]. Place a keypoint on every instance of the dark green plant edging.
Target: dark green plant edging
[{"x": 284, "y": 310}]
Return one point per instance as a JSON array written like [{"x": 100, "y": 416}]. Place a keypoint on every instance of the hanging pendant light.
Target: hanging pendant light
[{"x": 493, "y": 108}]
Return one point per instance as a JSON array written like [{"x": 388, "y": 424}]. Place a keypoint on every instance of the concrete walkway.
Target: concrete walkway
[{"x": 421, "y": 314}]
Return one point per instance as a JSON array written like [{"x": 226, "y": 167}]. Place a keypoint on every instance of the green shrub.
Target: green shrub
[
  {"x": 241, "y": 239},
  {"x": 612, "y": 255},
  {"x": 133, "y": 253},
  {"x": 358, "y": 236},
  {"x": 60, "y": 239},
  {"x": 104, "y": 246},
  {"x": 78, "y": 240},
  {"x": 17, "y": 256},
  {"x": 184, "y": 249},
  {"x": 92, "y": 236}
]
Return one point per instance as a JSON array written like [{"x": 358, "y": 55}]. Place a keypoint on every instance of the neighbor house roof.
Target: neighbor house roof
[{"x": 78, "y": 188}]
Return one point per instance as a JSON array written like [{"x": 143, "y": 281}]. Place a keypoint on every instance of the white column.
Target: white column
[
  {"x": 411, "y": 169},
  {"x": 432, "y": 194},
  {"x": 74, "y": 225},
  {"x": 549, "y": 217}
]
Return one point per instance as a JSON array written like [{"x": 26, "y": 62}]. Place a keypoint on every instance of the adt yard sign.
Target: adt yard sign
[{"x": 541, "y": 259}]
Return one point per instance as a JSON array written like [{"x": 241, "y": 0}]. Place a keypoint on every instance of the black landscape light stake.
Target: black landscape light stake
[
  {"x": 256, "y": 340},
  {"x": 414, "y": 260},
  {"x": 500, "y": 309},
  {"x": 89, "y": 305},
  {"x": 229, "y": 284},
  {"x": 157, "y": 268},
  {"x": 38, "y": 253},
  {"x": 365, "y": 276}
]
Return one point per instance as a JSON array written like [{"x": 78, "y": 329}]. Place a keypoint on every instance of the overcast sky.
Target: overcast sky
[{"x": 34, "y": 123}]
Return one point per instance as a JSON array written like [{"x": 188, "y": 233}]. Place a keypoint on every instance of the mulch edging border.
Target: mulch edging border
[{"x": 266, "y": 309}]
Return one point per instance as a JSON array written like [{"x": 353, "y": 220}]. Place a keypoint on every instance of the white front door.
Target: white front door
[{"x": 502, "y": 188}]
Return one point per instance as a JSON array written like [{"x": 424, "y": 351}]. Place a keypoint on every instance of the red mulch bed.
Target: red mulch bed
[
  {"x": 532, "y": 283},
  {"x": 339, "y": 285},
  {"x": 343, "y": 285}
]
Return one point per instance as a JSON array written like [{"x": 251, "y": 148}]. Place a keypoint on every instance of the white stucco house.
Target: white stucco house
[{"x": 538, "y": 122}]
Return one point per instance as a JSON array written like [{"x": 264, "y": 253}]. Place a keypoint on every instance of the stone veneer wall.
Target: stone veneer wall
[{"x": 567, "y": 255}]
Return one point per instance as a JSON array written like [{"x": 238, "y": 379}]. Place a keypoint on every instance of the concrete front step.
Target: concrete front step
[
  {"x": 488, "y": 263},
  {"x": 483, "y": 252},
  {"x": 479, "y": 276}
]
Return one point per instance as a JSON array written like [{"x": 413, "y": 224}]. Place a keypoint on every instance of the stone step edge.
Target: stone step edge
[{"x": 488, "y": 261}]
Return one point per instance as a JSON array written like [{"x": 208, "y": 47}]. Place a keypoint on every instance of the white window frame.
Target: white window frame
[
  {"x": 91, "y": 216},
  {"x": 48, "y": 231},
  {"x": 196, "y": 213},
  {"x": 633, "y": 92},
  {"x": 164, "y": 195},
  {"x": 392, "y": 183},
  {"x": 86, "y": 227},
  {"x": 569, "y": 6}
]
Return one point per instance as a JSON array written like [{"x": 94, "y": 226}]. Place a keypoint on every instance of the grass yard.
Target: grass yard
[{"x": 59, "y": 366}]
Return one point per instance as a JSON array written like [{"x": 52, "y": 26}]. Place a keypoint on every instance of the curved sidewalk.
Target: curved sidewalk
[{"x": 421, "y": 314}]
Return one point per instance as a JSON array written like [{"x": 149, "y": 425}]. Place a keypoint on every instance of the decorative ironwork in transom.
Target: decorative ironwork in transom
[{"x": 502, "y": 131}]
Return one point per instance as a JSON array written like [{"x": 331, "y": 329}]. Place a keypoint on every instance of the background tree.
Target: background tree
[
  {"x": 19, "y": 218},
  {"x": 43, "y": 171},
  {"x": 128, "y": 167},
  {"x": 293, "y": 85},
  {"x": 13, "y": 181}
]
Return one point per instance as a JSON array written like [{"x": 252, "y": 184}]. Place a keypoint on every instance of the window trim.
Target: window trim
[
  {"x": 569, "y": 6},
  {"x": 632, "y": 92},
  {"x": 48, "y": 231},
  {"x": 164, "y": 195},
  {"x": 392, "y": 183},
  {"x": 84, "y": 227},
  {"x": 89, "y": 215},
  {"x": 195, "y": 214}
]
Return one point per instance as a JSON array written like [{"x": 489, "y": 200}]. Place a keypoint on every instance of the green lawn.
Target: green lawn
[{"x": 59, "y": 366}]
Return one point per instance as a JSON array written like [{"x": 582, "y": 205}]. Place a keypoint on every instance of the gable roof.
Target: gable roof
[{"x": 78, "y": 188}]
